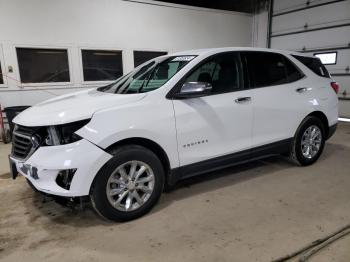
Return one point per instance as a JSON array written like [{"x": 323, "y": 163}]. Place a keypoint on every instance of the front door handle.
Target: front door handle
[{"x": 241, "y": 100}]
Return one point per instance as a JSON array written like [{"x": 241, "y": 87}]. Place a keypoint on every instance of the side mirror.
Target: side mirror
[{"x": 194, "y": 89}]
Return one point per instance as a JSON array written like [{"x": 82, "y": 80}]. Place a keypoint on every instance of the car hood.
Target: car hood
[{"x": 72, "y": 107}]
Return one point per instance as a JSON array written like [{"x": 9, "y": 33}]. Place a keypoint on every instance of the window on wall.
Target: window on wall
[
  {"x": 329, "y": 58},
  {"x": 1, "y": 77},
  {"x": 143, "y": 56},
  {"x": 43, "y": 65},
  {"x": 102, "y": 65}
]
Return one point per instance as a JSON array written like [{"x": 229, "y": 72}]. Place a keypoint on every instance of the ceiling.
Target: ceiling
[{"x": 247, "y": 6}]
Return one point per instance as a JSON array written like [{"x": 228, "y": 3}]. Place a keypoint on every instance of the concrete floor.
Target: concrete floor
[{"x": 255, "y": 212}]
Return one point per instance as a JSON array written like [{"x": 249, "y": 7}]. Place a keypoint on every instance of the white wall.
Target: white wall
[
  {"x": 333, "y": 14},
  {"x": 106, "y": 24},
  {"x": 260, "y": 25}
]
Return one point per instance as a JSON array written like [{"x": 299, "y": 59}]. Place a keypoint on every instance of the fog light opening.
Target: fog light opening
[{"x": 64, "y": 178}]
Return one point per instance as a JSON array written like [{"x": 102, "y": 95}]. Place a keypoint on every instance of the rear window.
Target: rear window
[
  {"x": 269, "y": 69},
  {"x": 314, "y": 64}
]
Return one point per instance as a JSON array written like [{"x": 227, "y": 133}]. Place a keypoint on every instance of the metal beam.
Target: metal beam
[
  {"x": 308, "y": 7},
  {"x": 324, "y": 49},
  {"x": 340, "y": 74},
  {"x": 311, "y": 30},
  {"x": 269, "y": 29}
]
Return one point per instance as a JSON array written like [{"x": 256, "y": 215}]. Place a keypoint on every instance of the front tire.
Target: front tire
[
  {"x": 308, "y": 142},
  {"x": 129, "y": 185}
]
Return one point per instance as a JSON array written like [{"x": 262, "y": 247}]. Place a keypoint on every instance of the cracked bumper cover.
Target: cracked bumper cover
[{"x": 42, "y": 168}]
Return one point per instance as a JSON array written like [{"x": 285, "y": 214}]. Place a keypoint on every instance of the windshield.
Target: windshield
[{"x": 148, "y": 77}]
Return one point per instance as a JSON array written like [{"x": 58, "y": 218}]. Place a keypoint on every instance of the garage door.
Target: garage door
[{"x": 320, "y": 28}]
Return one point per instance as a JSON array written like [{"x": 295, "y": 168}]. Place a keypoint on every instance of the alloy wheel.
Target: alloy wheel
[
  {"x": 130, "y": 185},
  {"x": 311, "y": 141}
]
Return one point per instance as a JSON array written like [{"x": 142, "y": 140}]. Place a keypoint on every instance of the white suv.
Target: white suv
[{"x": 173, "y": 117}]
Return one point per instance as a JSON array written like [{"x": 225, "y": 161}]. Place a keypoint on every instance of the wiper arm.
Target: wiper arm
[{"x": 148, "y": 79}]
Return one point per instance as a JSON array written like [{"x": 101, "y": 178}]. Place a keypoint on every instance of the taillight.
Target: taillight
[{"x": 335, "y": 87}]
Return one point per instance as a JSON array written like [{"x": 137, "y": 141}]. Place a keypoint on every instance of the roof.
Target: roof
[{"x": 211, "y": 51}]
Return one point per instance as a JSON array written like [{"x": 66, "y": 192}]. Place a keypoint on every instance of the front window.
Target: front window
[
  {"x": 223, "y": 72},
  {"x": 148, "y": 77}
]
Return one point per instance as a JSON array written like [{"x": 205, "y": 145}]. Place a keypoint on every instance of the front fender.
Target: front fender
[{"x": 144, "y": 119}]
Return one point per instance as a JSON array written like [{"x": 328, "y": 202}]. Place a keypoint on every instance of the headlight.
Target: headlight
[{"x": 64, "y": 134}]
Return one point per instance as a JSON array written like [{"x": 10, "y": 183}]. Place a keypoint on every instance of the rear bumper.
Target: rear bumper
[
  {"x": 332, "y": 130},
  {"x": 42, "y": 168}
]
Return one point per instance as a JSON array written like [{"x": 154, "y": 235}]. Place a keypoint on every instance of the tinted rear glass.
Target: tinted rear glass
[
  {"x": 266, "y": 69},
  {"x": 314, "y": 64}
]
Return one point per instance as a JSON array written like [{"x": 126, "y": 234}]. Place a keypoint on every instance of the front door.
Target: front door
[{"x": 218, "y": 124}]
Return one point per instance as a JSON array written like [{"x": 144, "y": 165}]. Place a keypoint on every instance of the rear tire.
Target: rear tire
[
  {"x": 128, "y": 185},
  {"x": 308, "y": 141}
]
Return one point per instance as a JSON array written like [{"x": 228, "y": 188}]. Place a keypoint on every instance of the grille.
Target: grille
[{"x": 22, "y": 146}]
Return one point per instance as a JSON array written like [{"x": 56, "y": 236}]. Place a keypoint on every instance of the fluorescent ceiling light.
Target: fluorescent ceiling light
[
  {"x": 105, "y": 53},
  {"x": 329, "y": 58},
  {"x": 51, "y": 52}
]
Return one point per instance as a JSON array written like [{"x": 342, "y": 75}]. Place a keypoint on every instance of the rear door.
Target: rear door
[{"x": 279, "y": 94}]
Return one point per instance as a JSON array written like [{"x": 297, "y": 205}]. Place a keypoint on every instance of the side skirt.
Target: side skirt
[{"x": 276, "y": 148}]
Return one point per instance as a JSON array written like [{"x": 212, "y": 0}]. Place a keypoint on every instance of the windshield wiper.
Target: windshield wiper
[{"x": 148, "y": 79}]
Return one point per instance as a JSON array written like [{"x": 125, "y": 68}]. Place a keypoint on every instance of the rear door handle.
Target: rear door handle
[
  {"x": 302, "y": 89},
  {"x": 241, "y": 100}
]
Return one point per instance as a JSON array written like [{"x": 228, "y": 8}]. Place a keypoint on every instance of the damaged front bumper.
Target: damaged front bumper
[{"x": 64, "y": 170}]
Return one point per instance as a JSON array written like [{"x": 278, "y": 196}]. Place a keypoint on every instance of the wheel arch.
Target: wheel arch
[
  {"x": 320, "y": 115},
  {"x": 147, "y": 143}
]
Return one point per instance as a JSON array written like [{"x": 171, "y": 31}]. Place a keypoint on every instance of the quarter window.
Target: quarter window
[
  {"x": 141, "y": 57},
  {"x": 222, "y": 72},
  {"x": 314, "y": 64},
  {"x": 43, "y": 65},
  {"x": 102, "y": 65}
]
